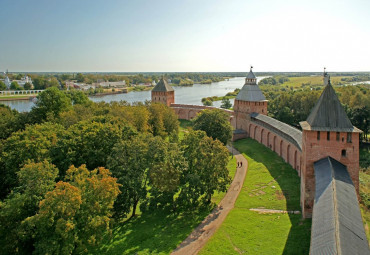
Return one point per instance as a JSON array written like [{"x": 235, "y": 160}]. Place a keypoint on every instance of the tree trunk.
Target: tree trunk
[{"x": 134, "y": 208}]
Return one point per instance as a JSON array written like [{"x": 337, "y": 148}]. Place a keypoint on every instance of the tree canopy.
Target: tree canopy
[{"x": 215, "y": 123}]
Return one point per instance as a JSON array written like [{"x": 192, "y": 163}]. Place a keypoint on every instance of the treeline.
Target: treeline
[
  {"x": 293, "y": 106},
  {"x": 70, "y": 166}
]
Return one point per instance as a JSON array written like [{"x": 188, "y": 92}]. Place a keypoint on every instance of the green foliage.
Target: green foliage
[
  {"x": 360, "y": 117},
  {"x": 78, "y": 97},
  {"x": 226, "y": 104},
  {"x": 51, "y": 103},
  {"x": 207, "y": 102},
  {"x": 8, "y": 121},
  {"x": 162, "y": 120},
  {"x": 89, "y": 142},
  {"x": 35, "y": 179},
  {"x": 34, "y": 143},
  {"x": 76, "y": 214},
  {"x": 206, "y": 173},
  {"x": 215, "y": 123},
  {"x": 14, "y": 86},
  {"x": 2, "y": 85},
  {"x": 27, "y": 86}
]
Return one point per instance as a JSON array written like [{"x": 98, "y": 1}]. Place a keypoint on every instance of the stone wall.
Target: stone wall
[
  {"x": 188, "y": 112},
  {"x": 290, "y": 152}
]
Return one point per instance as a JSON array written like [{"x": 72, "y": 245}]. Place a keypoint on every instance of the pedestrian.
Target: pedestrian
[
  {"x": 238, "y": 163},
  {"x": 241, "y": 164}
]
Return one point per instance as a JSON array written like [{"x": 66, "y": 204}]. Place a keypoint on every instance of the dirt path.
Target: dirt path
[{"x": 200, "y": 235}]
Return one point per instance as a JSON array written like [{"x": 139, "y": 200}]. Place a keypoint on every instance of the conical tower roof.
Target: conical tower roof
[
  {"x": 250, "y": 91},
  {"x": 162, "y": 86},
  {"x": 328, "y": 114},
  {"x": 251, "y": 74}
]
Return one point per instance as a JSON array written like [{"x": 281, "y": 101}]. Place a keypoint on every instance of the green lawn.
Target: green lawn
[
  {"x": 184, "y": 126},
  {"x": 272, "y": 184},
  {"x": 157, "y": 232}
]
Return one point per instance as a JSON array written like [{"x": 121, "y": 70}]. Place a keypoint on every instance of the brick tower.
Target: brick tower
[
  {"x": 327, "y": 132},
  {"x": 163, "y": 93},
  {"x": 249, "y": 99}
]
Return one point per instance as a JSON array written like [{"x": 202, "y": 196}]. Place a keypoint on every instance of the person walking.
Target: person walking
[
  {"x": 238, "y": 164},
  {"x": 241, "y": 164}
]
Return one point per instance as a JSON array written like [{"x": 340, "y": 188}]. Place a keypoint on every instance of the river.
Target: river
[{"x": 183, "y": 95}]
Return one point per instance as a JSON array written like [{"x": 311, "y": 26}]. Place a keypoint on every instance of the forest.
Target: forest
[{"x": 71, "y": 168}]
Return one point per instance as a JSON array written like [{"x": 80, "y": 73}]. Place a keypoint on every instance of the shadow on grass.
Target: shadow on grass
[
  {"x": 154, "y": 232},
  {"x": 298, "y": 240}
]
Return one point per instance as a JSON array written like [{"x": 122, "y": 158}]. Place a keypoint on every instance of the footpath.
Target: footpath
[{"x": 200, "y": 235}]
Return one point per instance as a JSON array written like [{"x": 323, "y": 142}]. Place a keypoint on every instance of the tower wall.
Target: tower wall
[
  {"x": 166, "y": 98},
  {"x": 316, "y": 147},
  {"x": 242, "y": 110}
]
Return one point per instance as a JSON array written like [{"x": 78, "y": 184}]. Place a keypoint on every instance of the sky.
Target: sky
[{"x": 184, "y": 36}]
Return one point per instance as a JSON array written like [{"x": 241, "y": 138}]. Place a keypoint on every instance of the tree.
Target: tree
[
  {"x": 207, "y": 168},
  {"x": 39, "y": 83},
  {"x": 207, "y": 102},
  {"x": 8, "y": 121},
  {"x": 78, "y": 97},
  {"x": 15, "y": 86},
  {"x": 2, "y": 85},
  {"x": 27, "y": 86},
  {"x": 89, "y": 142},
  {"x": 129, "y": 162},
  {"x": 225, "y": 103},
  {"x": 50, "y": 103},
  {"x": 80, "y": 77},
  {"x": 35, "y": 179},
  {"x": 215, "y": 123},
  {"x": 162, "y": 120},
  {"x": 34, "y": 143},
  {"x": 74, "y": 217}
]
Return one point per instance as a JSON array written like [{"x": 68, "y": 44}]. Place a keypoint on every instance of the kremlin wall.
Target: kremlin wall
[{"x": 325, "y": 155}]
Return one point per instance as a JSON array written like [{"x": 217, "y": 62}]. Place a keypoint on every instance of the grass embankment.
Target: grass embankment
[
  {"x": 272, "y": 184},
  {"x": 158, "y": 232}
]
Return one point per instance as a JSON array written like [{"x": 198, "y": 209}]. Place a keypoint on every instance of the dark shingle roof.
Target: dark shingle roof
[
  {"x": 162, "y": 86},
  {"x": 337, "y": 226},
  {"x": 328, "y": 114},
  {"x": 286, "y": 131},
  {"x": 251, "y": 75}
]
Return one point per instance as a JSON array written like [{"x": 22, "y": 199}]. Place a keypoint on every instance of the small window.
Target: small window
[
  {"x": 349, "y": 137},
  {"x": 318, "y": 135},
  {"x": 344, "y": 153},
  {"x": 328, "y": 136},
  {"x": 338, "y": 136}
]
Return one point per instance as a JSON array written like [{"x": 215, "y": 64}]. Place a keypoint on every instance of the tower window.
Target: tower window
[
  {"x": 338, "y": 136},
  {"x": 349, "y": 137},
  {"x": 344, "y": 153},
  {"x": 328, "y": 136},
  {"x": 318, "y": 135}
]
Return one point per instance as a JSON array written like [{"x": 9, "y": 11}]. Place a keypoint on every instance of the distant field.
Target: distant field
[
  {"x": 272, "y": 184},
  {"x": 297, "y": 82}
]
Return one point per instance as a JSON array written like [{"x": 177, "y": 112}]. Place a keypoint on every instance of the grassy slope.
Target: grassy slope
[
  {"x": 253, "y": 233},
  {"x": 157, "y": 232}
]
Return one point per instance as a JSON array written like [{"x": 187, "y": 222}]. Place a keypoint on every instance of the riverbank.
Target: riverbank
[{"x": 12, "y": 98}]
